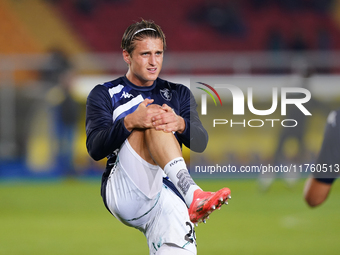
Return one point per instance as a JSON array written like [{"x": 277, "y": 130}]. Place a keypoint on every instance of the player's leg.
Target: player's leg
[
  {"x": 131, "y": 199},
  {"x": 171, "y": 225},
  {"x": 171, "y": 249},
  {"x": 132, "y": 185},
  {"x": 165, "y": 151}
]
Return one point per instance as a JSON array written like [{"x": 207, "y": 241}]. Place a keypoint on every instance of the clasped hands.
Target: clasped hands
[{"x": 148, "y": 115}]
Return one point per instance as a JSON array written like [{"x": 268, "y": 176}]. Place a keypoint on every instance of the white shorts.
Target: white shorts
[{"x": 162, "y": 217}]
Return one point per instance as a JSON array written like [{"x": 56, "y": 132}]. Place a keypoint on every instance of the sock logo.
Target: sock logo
[
  {"x": 175, "y": 162},
  {"x": 184, "y": 181}
]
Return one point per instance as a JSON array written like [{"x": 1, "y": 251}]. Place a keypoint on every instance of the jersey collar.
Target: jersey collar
[{"x": 140, "y": 88}]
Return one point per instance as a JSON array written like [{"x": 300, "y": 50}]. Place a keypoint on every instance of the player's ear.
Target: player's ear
[{"x": 126, "y": 57}]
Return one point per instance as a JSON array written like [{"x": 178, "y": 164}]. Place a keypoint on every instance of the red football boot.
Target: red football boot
[{"x": 204, "y": 203}]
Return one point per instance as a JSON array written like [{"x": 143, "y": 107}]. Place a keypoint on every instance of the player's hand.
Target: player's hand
[
  {"x": 141, "y": 118},
  {"x": 168, "y": 121}
]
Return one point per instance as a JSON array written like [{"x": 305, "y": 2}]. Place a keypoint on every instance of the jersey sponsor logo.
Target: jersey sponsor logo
[
  {"x": 166, "y": 94},
  {"x": 126, "y": 95}
]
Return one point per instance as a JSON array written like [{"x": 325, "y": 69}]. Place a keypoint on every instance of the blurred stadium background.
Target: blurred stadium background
[{"x": 53, "y": 52}]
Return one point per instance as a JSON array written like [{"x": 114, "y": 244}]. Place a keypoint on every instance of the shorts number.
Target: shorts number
[{"x": 191, "y": 236}]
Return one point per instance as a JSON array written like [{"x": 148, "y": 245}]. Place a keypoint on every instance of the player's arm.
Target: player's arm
[
  {"x": 103, "y": 134},
  {"x": 318, "y": 186},
  {"x": 185, "y": 123},
  {"x": 316, "y": 191},
  {"x": 194, "y": 135}
]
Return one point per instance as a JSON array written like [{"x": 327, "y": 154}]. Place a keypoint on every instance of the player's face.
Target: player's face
[{"x": 145, "y": 61}]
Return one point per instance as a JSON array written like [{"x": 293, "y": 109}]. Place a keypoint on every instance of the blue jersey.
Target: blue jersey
[
  {"x": 108, "y": 104},
  {"x": 329, "y": 155}
]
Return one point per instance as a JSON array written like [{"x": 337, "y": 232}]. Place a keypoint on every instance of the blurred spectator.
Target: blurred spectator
[
  {"x": 323, "y": 39},
  {"x": 296, "y": 135},
  {"x": 298, "y": 43},
  {"x": 66, "y": 116},
  {"x": 321, "y": 6},
  {"x": 275, "y": 41},
  {"x": 259, "y": 4},
  {"x": 324, "y": 46},
  {"x": 224, "y": 17},
  {"x": 317, "y": 6},
  {"x": 85, "y": 7},
  {"x": 291, "y": 5},
  {"x": 275, "y": 45},
  {"x": 66, "y": 110},
  {"x": 56, "y": 65}
]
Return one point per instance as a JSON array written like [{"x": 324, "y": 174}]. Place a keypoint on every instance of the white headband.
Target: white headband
[{"x": 143, "y": 29}]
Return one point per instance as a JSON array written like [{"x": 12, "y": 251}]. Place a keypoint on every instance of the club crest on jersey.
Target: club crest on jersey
[{"x": 166, "y": 94}]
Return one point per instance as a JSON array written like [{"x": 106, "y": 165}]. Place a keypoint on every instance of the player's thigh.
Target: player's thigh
[
  {"x": 125, "y": 201},
  {"x": 171, "y": 249},
  {"x": 138, "y": 143}
]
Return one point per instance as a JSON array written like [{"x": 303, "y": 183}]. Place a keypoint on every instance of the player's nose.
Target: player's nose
[{"x": 152, "y": 59}]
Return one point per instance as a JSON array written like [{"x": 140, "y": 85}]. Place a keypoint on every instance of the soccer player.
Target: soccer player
[
  {"x": 318, "y": 186},
  {"x": 139, "y": 122}
]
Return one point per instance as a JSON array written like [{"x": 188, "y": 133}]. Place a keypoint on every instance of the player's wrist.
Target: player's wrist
[
  {"x": 128, "y": 122},
  {"x": 181, "y": 125}
]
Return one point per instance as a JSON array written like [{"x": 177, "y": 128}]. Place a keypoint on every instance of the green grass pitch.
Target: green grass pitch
[{"x": 68, "y": 217}]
